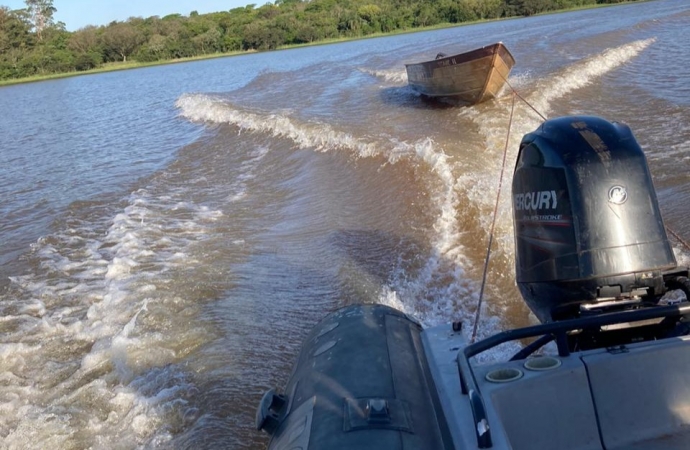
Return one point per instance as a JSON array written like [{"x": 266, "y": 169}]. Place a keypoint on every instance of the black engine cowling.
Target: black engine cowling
[{"x": 588, "y": 228}]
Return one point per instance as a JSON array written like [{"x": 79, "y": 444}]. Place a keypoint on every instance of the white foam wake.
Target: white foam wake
[
  {"x": 91, "y": 352},
  {"x": 441, "y": 290},
  {"x": 585, "y": 72},
  {"x": 429, "y": 296},
  {"x": 321, "y": 137},
  {"x": 395, "y": 76}
]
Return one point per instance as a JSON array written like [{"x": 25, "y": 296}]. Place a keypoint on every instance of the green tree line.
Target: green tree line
[{"x": 33, "y": 44}]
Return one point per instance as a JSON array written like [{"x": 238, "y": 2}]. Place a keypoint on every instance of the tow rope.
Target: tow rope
[{"x": 493, "y": 222}]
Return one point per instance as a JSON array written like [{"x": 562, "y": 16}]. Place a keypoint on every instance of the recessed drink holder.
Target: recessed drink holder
[
  {"x": 504, "y": 375},
  {"x": 542, "y": 363}
]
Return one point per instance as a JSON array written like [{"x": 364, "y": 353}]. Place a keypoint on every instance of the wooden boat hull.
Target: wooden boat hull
[{"x": 471, "y": 77}]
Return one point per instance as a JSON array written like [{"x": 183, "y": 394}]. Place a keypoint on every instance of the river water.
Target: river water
[{"x": 170, "y": 234}]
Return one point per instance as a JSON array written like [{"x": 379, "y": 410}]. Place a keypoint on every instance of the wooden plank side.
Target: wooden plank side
[{"x": 471, "y": 77}]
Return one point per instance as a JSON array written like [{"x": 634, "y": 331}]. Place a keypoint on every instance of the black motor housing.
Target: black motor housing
[{"x": 587, "y": 223}]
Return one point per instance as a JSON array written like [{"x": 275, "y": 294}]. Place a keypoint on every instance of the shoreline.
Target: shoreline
[{"x": 115, "y": 67}]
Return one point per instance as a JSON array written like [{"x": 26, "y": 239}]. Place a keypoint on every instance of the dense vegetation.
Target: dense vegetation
[{"x": 32, "y": 44}]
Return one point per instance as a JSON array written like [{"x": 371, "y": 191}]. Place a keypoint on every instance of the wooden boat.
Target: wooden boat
[{"x": 471, "y": 77}]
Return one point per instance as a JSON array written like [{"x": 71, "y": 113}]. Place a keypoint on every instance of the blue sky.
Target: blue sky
[{"x": 79, "y": 13}]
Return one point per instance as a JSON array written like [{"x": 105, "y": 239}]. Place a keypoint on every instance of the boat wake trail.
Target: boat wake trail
[
  {"x": 583, "y": 73},
  {"x": 396, "y": 76},
  {"x": 89, "y": 347},
  {"x": 428, "y": 295},
  {"x": 320, "y": 137}
]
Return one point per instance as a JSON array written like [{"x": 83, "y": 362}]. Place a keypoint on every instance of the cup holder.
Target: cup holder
[
  {"x": 504, "y": 375},
  {"x": 542, "y": 363}
]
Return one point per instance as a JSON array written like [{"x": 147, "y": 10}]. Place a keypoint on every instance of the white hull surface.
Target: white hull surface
[{"x": 633, "y": 396}]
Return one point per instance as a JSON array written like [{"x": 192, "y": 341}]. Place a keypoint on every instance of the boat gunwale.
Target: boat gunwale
[{"x": 461, "y": 58}]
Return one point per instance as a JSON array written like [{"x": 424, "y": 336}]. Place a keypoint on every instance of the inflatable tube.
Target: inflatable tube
[{"x": 362, "y": 382}]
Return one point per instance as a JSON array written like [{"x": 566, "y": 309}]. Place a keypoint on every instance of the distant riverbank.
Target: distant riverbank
[{"x": 117, "y": 66}]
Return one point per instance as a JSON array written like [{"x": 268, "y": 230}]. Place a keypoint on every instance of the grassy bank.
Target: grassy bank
[{"x": 112, "y": 67}]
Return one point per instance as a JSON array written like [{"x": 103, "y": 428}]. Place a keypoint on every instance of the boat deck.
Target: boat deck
[{"x": 631, "y": 397}]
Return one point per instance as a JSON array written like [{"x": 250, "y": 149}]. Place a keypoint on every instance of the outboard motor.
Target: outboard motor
[{"x": 589, "y": 236}]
